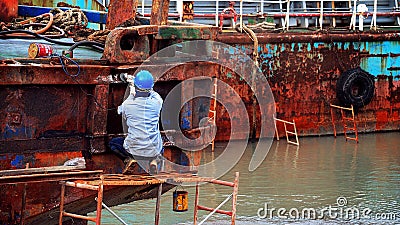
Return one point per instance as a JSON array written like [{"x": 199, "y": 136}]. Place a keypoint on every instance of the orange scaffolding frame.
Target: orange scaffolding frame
[
  {"x": 98, "y": 184},
  {"x": 232, "y": 213}
]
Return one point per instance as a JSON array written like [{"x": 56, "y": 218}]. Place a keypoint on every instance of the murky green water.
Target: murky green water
[{"x": 313, "y": 176}]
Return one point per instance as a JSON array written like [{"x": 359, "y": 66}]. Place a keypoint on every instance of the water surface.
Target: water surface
[{"x": 323, "y": 172}]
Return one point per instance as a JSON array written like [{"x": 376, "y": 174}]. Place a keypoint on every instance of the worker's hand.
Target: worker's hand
[
  {"x": 119, "y": 110},
  {"x": 127, "y": 78}
]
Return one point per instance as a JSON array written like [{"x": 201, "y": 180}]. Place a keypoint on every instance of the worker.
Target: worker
[{"x": 141, "y": 111}]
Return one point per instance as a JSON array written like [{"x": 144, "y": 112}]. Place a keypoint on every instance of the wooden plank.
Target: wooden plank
[
  {"x": 132, "y": 183},
  {"x": 40, "y": 170},
  {"x": 137, "y": 180}
]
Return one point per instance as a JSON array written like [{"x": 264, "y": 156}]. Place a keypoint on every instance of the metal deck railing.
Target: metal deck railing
[{"x": 291, "y": 13}]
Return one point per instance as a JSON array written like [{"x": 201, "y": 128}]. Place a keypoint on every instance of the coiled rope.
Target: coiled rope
[{"x": 69, "y": 20}]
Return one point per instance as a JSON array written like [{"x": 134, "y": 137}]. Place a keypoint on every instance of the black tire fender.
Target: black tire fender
[{"x": 355, "y": 87}]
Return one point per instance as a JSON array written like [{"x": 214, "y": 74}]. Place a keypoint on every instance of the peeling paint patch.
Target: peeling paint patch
[{"x": 18, "y": 162}]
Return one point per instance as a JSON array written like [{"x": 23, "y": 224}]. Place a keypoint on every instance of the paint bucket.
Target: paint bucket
[
  {"x": 37, "y": 50},
  {"x": 180, "y": 201}
]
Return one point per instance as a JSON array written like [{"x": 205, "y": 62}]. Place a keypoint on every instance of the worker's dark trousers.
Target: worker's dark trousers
[{"x": 117, "y": 146}]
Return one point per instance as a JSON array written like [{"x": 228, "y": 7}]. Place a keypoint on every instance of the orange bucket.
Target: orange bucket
[{"x": 180, "y": 201}]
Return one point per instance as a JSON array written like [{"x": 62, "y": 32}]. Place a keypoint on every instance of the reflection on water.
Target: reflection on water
[{"x": 313, "y": 176}]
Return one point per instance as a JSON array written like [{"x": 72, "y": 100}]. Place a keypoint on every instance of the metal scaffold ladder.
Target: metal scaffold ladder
[
  {"x": 212, "y": 113},
  {"x": 157, "y": 181},
  {"x": 98, "y": 188},
  {"x": 98, "y": 185},
  {"x": 345, "y": 122},
  {"x": 232, "y": 196},
  {"x": 287, "y": 132}
]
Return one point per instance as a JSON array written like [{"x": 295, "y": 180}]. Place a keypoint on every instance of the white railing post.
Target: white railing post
[
  {"x": 396, "y": 4},
  {"x": 241, "y": 16},
  {"x": 304, "y": 4},
  {"x": 321, "y": 14},
  {"x": 216, "y": 12},
  {"x": 142, "y": 7},
  {"x": 354, "y": 16},
  {"x": 179, "y": 9},
  {"x": 287, "y": 15},
  {"x": 283, "y": 21}
]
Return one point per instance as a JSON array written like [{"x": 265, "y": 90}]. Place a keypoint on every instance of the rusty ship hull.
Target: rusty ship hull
[
  {"x": 48, "y": 121},
  {"x": 303, "y": 71}
]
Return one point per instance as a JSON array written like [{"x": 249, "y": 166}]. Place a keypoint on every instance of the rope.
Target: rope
[
  {"x": 259, "y": 27},
  {"x": 43, "y": 30},
  {"x": 5, "y": 35},
  {"x": 27, "y": 23},
  {"x": 69, "y": 20},
  {"x": 88, "y": 34},
  {"x": 101, "y": 35}
]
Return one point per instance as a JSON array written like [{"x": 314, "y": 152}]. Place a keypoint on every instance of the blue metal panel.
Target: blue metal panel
[
  {"x": 31, "y": 11},
  {"x": 377, "y": 58},
  {"x": 380, "y": 57}
]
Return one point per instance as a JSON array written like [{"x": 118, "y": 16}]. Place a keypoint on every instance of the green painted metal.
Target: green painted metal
[{"x": 186, "y": 32}]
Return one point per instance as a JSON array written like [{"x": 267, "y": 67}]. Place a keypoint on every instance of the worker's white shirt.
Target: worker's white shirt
[{"x": 142, "y": 115}]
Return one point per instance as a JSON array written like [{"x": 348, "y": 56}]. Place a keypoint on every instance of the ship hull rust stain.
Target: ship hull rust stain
[{"x": 302, "y": 71}]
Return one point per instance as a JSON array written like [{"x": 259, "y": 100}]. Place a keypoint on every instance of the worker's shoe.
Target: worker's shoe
[
  {"x": 153, "y": 167},
  {"x": 131, "y": 166}
]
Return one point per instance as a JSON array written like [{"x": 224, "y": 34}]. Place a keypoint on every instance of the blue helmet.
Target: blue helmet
[{"x": 144, "y": 80}]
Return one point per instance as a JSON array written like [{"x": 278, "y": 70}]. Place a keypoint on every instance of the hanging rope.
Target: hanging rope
[{"x": 49, "y": 22}]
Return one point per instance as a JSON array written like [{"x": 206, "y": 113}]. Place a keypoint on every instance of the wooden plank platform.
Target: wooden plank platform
[
  {"x": 47, "y": 175},
  {"x": 75, "y": 176},
  {"x": 40, "y": 170}
]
